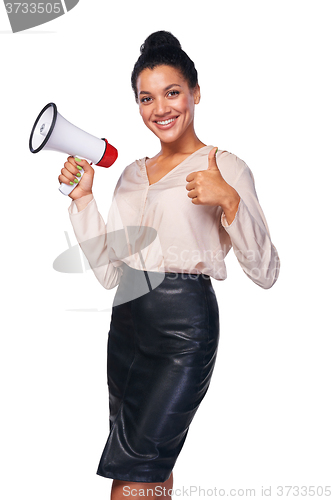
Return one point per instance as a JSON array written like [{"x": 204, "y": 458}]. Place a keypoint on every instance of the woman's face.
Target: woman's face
[{"x": 166, "y": 103}]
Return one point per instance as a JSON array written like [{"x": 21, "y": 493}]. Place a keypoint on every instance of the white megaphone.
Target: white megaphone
[{"x": 52, "y": 131}]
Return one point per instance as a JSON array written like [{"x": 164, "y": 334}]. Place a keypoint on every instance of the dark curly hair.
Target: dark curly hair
[{"x": 162, "y": 48}]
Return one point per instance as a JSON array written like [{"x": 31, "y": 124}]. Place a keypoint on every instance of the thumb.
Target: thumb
[{"x": 212, "y": 159}]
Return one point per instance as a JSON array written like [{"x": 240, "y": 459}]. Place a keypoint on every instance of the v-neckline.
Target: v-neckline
[{"x": 173, "y": 169}]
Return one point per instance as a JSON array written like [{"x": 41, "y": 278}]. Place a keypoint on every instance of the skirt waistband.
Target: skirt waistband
[
  {"x": 135, "y": 282},
  {"x": 127, "y": 270}
]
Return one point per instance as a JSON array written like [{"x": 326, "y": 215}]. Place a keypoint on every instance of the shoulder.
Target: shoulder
[
  {"x": 135, "y": 164},
  {"x": 232, "y": 167},
  {"x": 132, "y": 173}
]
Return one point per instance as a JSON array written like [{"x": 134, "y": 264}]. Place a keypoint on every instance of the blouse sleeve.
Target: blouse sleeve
[
  {"x": 91, "y": 234},
  {"x": 249, "y": 233}
]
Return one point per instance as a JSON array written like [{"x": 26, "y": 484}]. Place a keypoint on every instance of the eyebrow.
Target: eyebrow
[{"x": 166, "y": 88}]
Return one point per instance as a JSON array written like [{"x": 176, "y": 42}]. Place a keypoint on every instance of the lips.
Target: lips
[{"x": 166, "y": 124}]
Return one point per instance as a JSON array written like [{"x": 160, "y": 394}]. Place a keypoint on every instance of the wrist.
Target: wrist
[
  {"x": 230, "y": 208},
  {"x": 83, "y": 201}
]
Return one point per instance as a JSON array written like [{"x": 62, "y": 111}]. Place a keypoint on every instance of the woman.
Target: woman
[{"x": 173, "y": 219}]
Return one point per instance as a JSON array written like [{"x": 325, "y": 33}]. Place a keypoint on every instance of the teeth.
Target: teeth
[{"x": 166, "y": 122}]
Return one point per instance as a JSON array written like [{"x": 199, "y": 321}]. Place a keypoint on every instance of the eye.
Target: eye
[
  {"x": 173, "y": 93},
  {"x": 144, "y": 99}
]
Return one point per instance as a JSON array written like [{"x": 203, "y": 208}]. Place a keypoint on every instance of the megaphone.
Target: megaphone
[{"x": 52, "y": 131}]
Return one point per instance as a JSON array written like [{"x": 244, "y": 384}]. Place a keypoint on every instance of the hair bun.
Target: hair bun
[{"x": 158, "y": 39}]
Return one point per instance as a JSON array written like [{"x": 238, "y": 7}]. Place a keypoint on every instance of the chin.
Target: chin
[
  {"x": 169, "y": 137},
  {"x": 166, "y": 139}
]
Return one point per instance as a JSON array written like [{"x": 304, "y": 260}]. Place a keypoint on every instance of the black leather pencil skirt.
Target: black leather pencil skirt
[{"x": 162, "y": 348}]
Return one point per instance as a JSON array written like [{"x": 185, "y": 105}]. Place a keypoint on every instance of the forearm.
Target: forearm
[
  {"x": 243, "y": 220},
  {"x": 253, "y": 247},
  {"x": 91, "y": 234}
]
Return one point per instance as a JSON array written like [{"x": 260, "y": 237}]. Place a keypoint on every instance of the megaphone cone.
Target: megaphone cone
[{"x": 53, "y": 132}]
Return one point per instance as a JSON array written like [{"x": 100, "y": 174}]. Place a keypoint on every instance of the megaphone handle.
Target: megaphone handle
[{"x": 66, "y": 189}]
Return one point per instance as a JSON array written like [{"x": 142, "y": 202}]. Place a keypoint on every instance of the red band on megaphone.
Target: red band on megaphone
[{"x": 109, "y": 157}]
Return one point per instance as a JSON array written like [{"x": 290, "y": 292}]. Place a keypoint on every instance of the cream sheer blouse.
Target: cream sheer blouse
[{"x": 158, "y": 228}]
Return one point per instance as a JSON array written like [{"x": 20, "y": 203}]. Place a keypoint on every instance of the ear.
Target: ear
[{"x": 196, "y": 94}]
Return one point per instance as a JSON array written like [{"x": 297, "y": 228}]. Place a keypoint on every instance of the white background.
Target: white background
[{"x": 266, "y": 82}]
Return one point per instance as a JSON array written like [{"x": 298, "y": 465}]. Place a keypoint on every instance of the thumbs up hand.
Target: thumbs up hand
[{"x": 207, "y": 187}]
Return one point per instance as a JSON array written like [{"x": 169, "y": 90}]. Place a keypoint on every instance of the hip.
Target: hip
[{"x": 167, "y": 307}]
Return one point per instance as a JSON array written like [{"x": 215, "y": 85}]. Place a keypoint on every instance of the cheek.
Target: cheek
[
  {"x": 186, "y": 105},
  {"x": 143, "y": 114}
]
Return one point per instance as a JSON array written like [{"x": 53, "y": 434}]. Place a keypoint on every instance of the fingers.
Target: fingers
[
  {"x": 72, "y": 166},
  {"x": 80, "y": 164},
  {"x": 71, "y": 172},
  {"x": 67, "y": 177}
]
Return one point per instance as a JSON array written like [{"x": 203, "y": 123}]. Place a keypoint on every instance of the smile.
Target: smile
[
  {"x": 163, "y": 124},
  {"x": 166, "y": 122}
]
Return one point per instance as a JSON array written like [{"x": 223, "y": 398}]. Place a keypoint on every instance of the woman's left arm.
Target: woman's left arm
[
  {"x": 228, "y": 183},
  {"x": 249, "y": 233}
]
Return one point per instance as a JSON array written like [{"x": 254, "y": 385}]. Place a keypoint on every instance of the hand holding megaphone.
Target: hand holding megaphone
[
  {"x": 52, "y": 131},
  {"x": 78, "y": 175}
]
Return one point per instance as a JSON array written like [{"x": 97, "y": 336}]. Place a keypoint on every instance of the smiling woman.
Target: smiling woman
[
  {"x": 196, "y": 203},
  {"x": 164, "y": 107}
]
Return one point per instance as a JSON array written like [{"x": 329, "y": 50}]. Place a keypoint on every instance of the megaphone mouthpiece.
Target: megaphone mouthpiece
[{"x": 109, "y": 157}]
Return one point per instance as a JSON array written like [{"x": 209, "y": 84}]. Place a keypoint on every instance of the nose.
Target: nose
[{"x": 162, "y": 107}]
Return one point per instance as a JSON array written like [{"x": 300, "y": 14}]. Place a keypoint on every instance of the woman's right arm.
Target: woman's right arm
[{"x": 88, "y": 224}]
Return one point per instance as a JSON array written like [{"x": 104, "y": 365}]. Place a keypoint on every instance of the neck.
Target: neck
[{"x": 187, "y": 144}]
